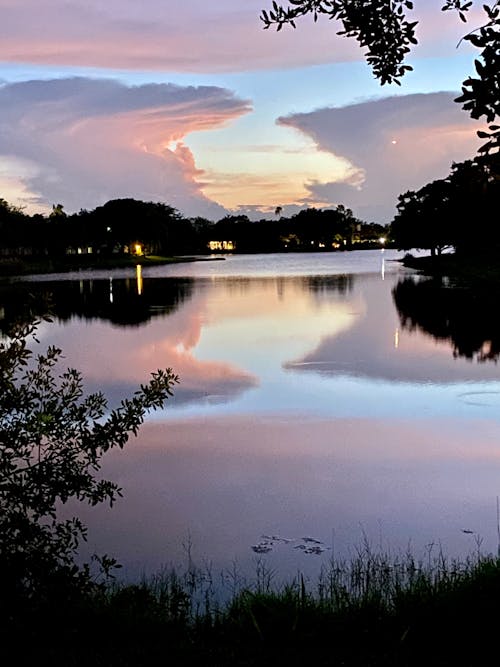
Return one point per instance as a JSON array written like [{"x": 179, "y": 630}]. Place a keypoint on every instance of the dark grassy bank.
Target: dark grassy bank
[
  {"x": 19, "y": 266},
  {"x": 373, "y": 610},
  {"x": 475, "y": 269}
]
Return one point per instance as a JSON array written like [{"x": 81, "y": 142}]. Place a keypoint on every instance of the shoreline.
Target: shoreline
[{"x": 16, "y": 267}]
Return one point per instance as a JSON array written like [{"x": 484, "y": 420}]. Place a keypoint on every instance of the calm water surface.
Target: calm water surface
[{"x": 321, "y": 395}]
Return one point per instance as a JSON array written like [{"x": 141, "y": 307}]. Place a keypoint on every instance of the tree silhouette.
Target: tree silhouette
[
  {"x": 440, "y": 214},
  {"x": 57, "y": 211}
]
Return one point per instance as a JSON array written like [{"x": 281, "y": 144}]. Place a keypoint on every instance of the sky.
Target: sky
[{"x": 192, "y": 103}]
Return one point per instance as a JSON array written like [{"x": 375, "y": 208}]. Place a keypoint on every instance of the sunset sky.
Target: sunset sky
[{"x": 192, "y": 103}]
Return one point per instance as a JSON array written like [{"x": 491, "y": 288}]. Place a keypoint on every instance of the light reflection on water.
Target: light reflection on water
[{"x": 305, "y": 408}]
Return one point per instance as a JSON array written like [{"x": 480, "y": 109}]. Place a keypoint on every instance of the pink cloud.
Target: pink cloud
[
  {"x": 188, "y": 36},
  {"x": 94, "y": 140},
  {"x": 192, "y": 35}
]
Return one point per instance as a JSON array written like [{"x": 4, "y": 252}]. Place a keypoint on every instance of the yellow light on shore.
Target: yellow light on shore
[{"x": 382, "y": 240}]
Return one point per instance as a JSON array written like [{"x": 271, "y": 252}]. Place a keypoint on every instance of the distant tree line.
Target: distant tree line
[
  {"x": 458, "y": 212},
  {"x": 153, "y": 228}
]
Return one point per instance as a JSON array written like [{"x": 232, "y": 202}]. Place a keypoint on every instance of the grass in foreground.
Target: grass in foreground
[{"x": 373, "y": 610}]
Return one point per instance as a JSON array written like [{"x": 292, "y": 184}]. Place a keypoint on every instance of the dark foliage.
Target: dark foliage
[
  {"x": 381, "y": 27},
  {"x": 460, "y": 211},
  {"x": 481, "y": 95},
  {"x": 445, "y": 617}
]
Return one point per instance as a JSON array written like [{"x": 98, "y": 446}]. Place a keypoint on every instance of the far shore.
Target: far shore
[{"x": 12, "y": 267}]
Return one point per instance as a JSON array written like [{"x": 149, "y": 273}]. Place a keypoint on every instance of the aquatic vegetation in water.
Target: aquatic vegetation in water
[{"x": 308, "y": 545}]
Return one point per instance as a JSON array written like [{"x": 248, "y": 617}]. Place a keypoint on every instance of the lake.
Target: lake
[{"x": 333, "y": 396}]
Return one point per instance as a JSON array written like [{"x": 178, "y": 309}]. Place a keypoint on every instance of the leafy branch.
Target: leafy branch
[{"x": 381, "y": 27}]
